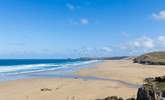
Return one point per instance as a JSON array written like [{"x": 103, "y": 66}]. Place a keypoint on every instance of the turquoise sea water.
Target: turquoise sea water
[
  {"x": 22, "y": 66},
  {"x": 11, "y": 69}
]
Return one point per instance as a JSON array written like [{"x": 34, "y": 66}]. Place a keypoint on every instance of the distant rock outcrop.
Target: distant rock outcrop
[{"x": 154, "y": 58}]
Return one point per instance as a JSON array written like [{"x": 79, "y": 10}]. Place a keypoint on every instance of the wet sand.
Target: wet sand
[{"x": 124, "y": 70}]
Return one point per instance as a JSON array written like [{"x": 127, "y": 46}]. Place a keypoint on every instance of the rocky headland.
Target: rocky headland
[{"x": 153, "y": 58}]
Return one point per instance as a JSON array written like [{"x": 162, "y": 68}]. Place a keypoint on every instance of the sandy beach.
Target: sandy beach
[{"x": 117, "y": 77}]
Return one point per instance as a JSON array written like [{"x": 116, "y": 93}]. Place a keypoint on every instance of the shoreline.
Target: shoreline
[
  {"x": 108, "y": 78},
  {"x": 49, "y": 73}
]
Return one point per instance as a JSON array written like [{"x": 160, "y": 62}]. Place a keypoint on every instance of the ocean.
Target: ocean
[
  {"x": 12, "y": 69},
  {"x": 24, "y": 66}
]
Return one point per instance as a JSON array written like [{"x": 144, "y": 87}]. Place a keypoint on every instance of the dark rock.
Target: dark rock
[
  {"x": 163, "y": 94},
  {"x": 112, "y": 98},
  {"x": 149, "y": 80},
  {"x": 160, "y": 79},
  {"x": 131, "y": 99},
  {"x": 145, "y": 94}
]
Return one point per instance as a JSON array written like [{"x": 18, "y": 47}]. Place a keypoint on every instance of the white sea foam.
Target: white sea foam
[{"x": 19, "y": 69}]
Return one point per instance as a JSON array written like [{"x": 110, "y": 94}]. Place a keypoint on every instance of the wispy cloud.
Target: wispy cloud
[
  {"x": 136, "y": 46},
  {"x": 94, "y": 51},
  {"x": 144, "y": 42},
  {"x": 106, "y": 49},
  {"x": 71, "y": 7},
  {"x": 82, "y": 21},
  {"x": 159, "y": 16},
  {"x": 139, "y": 45},
  {"x": 161, "y": 40}
]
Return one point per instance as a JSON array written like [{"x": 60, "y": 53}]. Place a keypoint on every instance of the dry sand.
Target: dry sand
[{"x": 79, "y": 89}]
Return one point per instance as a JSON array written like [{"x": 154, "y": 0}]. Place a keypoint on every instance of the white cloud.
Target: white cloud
[
  {"x": 106, "y": 49},
  {"x": 141, "y": 43},
  {"x": 136, "y": 46},
  {"x": 144, "y": 42},
  {"x": 70, "y": 6},
  {"x": 161, "y": 40},
  {"x": 84, "y": 21},
  {"x": 160, "y": 15}
]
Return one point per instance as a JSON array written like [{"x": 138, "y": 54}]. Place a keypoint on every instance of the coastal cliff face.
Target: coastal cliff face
[{"x": 154, "y": 58}]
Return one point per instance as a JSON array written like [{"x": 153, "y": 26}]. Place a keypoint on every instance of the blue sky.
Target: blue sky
[{"x": 78, "y": 28}]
